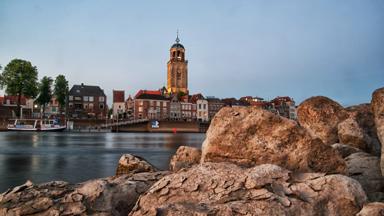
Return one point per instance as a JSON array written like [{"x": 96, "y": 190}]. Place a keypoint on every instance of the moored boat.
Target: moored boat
[{"x": 36, "y": 125}]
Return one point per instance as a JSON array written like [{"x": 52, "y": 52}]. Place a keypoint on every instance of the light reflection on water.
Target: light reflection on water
[{"x": 77, "y": 157}]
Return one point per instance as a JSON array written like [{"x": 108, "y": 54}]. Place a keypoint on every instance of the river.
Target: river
[{"x": 77, "y": 157}]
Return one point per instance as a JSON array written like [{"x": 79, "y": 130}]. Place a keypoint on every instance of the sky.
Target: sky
[{"x": 264, "y": 48}]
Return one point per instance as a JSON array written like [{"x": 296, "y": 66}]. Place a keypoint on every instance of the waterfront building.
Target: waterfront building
[
  {"x": 177, "y": 69},
  {"x": 51, "y": 109},
  {"x": 202, "y": 110},
  {"x": 188, "y": 111},
  {"x": 87, "y": 102},
  {"x": 151, "y": 105},
  {"x": 118, "y": 106},
  {"x": 214, "y": 105},
  {"x": 129, "y": 108},
  {"x": 233, "y": 102},
  {"x": 175, "y": 109},
  {"x": 284, "y": 106}
]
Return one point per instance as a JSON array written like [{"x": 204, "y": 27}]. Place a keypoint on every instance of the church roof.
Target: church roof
[{"x": 177, "y": 45}]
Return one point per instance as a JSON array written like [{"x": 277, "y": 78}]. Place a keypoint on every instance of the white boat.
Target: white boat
[{"x": 36, "y": 125}]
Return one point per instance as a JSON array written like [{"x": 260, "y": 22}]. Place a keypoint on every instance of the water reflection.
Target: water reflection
[{"x": 77, "y": 157}]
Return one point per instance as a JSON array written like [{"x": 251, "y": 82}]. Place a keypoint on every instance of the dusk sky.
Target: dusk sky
[{"x": 265, "y": 48}]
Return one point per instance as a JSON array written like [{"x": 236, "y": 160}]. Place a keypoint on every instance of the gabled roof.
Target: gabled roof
[
  {"x": 86, "y": 90},
  {"x": 151, "y": 97},
  {"x": 152, "y": 92}
]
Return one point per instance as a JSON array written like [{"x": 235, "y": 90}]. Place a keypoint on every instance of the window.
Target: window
[
  {"x": 101, "y": 106},
  {"x": 70, "y": 98},
  {"x": 90, "y": 106},
  {"x": 199, "y": 106},
  {"x": 158, "y": 103},
  {"x": 101, "y": 99},
  {"x": 70, "y": 105},
  {"x": 204, "y": 106},
  {"x": 164, "y": 104},
  {"x": 85, "y": 98},
  {"x": 78, "y": 98},
  {"x": 90, "y": 98},
  {"x": 140, "y": 109},
  {"x": 85, "y": 106}
]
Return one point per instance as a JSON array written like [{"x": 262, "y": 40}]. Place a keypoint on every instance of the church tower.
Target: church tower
[{"x": 177, "y": 74}]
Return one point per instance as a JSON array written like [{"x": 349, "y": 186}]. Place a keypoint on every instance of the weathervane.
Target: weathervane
[{"x": 177, "y": 36}]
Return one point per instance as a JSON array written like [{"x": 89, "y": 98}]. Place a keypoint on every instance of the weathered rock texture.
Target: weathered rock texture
[
  {"x": 351, "y": 133},
  {"x": 250, "y": 136},
  {"x": 106, "y": 196},
  {"x": 185, "y": 157},
  {"x": 345, "y": 150},
  {"x": 372, "y": 209},
  {"x": 320, "y": 116},
  {"x": 378, "y": 112},
  {"x": 365, "y": 168},
  {"x": 366, "y": 134},
  {"x": 129, "y": 164},
  {"x": 227, "y": 189}
]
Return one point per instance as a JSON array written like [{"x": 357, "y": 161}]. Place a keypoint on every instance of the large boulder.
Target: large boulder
[
  {"x": 372, "y": 209},
  {"x": 184, "y": 157},
  {"x": 345, "y": 150},
  {"x": 227, "y": 189},
  {"x": 106, "y": 196},
  {"x": 129, "y": 164},
  {"x": 366, "y": 130},
  {"x": 378, "y": 112},
  {"x": 320, "y": 116},
  {"x": 365, "y": 168},
  {"x": 349, "y": 132},
  {"x": 250, "y": 136}
]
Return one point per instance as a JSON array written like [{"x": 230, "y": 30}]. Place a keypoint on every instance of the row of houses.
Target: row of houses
[
  {"x": 155, "y": 104},
  {"x": 90, "y": 102}
]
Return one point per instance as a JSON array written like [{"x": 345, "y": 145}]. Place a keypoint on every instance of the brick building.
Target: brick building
[
  {"x": 87, "y": 102},
  {"x": 151, "y": 105}
]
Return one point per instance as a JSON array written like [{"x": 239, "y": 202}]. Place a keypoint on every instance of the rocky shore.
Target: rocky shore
[{"x": 329, "y": 162}]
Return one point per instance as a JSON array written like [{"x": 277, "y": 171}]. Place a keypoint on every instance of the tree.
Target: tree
[
  {"x": 45, "y": 92},
  {"x": 61, "y": 91},
  {"x": 19, "y": 78}
]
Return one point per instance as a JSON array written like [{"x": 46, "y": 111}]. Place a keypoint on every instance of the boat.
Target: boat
[{"x": 36, "y": 125}]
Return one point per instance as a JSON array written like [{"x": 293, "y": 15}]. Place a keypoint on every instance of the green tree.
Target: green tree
[
  {"x": 45, "y": 92},
  {"x": 61, "y": 91},
  {"x": 19, "y": 78}
]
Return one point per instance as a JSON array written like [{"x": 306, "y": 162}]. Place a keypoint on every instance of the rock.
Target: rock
[
  {"x": 378, "y": 112},
  {"x": 129, "y": 164},
  {"x": 320, "y": 116},
  {"x": 365, "y": 168},
  {"x": 227, "y": 189},
  {"x": 250, "y": 136},
  {"x": 345, "y": 150},
  {"x": 372, "y": 209},
  {"x": 349, "y": 132},
  {"x": 362, "y": 114},
  {"x": 106, "y": 196},
  {"x": 185, "y": 157}
]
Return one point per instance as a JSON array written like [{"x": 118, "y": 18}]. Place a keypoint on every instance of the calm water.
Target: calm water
[{"x": 77, "y": 157}]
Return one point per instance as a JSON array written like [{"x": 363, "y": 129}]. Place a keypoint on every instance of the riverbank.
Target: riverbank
[{"x": 252, "y": 162}]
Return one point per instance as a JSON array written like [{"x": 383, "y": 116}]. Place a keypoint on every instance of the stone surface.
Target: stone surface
[
  {"x": 378, "y": 112},
  {"x": 362, "y": 114},
  {"x": 250, "y": 136},
  {"x": 345, "y": 150},
  {"x": 365, "y": 168},
  {"x": 349, "y": 132},
  {"x": 372, "y": 209},
  {"x": 129, "y": 164},
  {"x": 320, "y": 116},
  {"x": 185, "y": 157},
  {"x": 106, "y": 196},
  {"x": 227, "y": 189}
]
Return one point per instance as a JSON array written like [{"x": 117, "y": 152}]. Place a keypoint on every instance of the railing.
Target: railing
[{"x": 120, "y": 123}]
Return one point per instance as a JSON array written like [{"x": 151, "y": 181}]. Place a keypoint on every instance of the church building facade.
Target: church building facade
[{"x": 177, "y": 69}]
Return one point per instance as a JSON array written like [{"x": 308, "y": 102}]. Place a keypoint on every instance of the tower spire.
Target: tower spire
[{"x": 177, "y": 36}]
